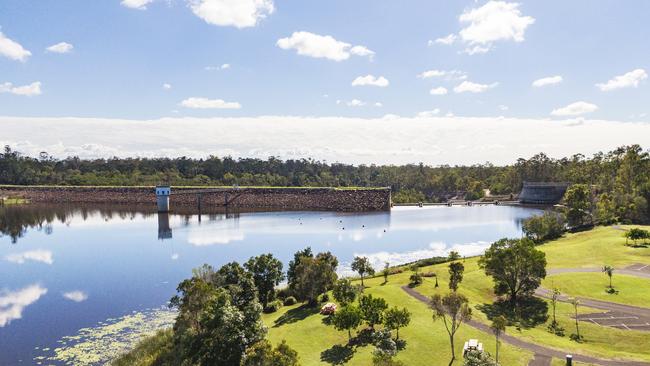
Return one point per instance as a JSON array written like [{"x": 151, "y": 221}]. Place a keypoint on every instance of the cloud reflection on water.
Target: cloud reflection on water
[
  {"x": 12, "y": 303},
  {"x": 38, "y": 255}
]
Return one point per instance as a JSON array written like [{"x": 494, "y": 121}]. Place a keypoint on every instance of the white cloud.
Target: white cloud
[
  {"x": 205, "y": 103},
  {"x": 12, "y": 303},
  {"x": 355, "y": 103},
  {"x": 371, "y": 80},
  {"x": 76, "y": 296},
  {"x": 38, "y": 255},
  {"x": 549, "y": 80},
  {"x": 25, "y": 90},
  {"x": 221, "y": 67},
  {"x": 332, "y": 138},
  {"x": 431, "y": 73},
  {"x": 378, "y": 104},
  {"x": 136, "y": 4},
  {"x": 167, "y": 86},
  {"x": 236, "y": 13},
  {"x": 428, "y": 114},
  {"x": 494, "y": 21},
  {"x": 447, "y": 40},
  {"x": 61, "y": 47},
  {"x": 441, "y": 90},
  {"x": 575, "y": 109},
  {"x": 447, "y": 74},
  {"x": 627, "y": 80},
  {"x": 362, "y": 51},
  {"x": 13, "y": 49},
  {"x": 317, "y": 46},
  {"x": 503, "y": 107},
  {"x": 470, "y": 87}
]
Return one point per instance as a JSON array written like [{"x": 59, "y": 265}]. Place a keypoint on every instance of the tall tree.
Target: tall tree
[
  {"x": 372, "y": 309},
  {"x": 210, "y": 329},
  {"x": 498, "y": 326},
  {"x": 609, "y": 270},
  {"x": 453, "y": 309},
  {"x": 575, "y": 302},
  {"x": 516, "y": 267},
  {"x": 263, "y": 354},
  {"x": 314, "y": 276},
  {"x": 267, "y": 273},
  {"x": 297, "y": 258},
  {"x": 456, "y": 270},
  {"x": 344, "y": 291},
  {"x": 396, "y": 318},
  {"x": 362, "y": 266},
  {"x": 578, "y": 201},
  {"x": 347, "y": 318},
  {"x": 386, "y": 271}
]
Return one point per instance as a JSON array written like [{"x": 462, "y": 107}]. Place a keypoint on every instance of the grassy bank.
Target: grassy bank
[{"x": 427, "y": 342}]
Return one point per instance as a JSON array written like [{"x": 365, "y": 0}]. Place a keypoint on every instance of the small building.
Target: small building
[{"x": 542, "y": 193}]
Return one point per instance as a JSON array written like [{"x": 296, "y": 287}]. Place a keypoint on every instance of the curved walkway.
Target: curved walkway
[
  {"x": 539, "y": 351},
  {"x": 599, "y": 304}
]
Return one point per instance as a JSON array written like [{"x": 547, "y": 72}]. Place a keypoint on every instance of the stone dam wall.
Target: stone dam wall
[{"x": 330, "y": 199}]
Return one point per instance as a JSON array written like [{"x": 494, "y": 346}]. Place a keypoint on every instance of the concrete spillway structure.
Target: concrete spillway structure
[{"x": 542, "y": 193}]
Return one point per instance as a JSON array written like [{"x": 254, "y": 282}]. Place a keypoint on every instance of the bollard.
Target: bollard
[{"x": 569, "y": 360}]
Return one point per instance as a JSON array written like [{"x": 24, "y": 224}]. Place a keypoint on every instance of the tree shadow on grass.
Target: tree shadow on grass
[
  {"x": 337, "y": 354},
  {"x": 295, "y": 315},
  {"x": 641, "y": 245},
  {"x": 528, "y": 312},
  {"x": 363, "y": 338}
]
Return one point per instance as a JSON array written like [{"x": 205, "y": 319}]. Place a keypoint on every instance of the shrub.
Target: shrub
[
  {"x": 428, "y": 274},
  {"x": 283, "y": 293},
  {"x": 382, "y": 359},
  {"x": 384, "y": 342},
  {"x": 273, "y": 306},
  {"x": 290, "y": 300},
  {"x": 540, "y": 228},
  {"x": 477, "y": 358},
  {"x": 415, "y": 280},
  {"x": 328, "y": 309},
  {"x": 324, "y": 298}
]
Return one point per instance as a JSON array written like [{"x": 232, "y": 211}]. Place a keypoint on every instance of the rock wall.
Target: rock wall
[{"x": 333, "y": 199}]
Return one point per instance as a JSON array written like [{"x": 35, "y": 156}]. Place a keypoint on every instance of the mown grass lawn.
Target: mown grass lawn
[
  {"x": 594, "y": 248},
  {"x": 427, "y": 341},
  {"x": 630, "y": 290}
]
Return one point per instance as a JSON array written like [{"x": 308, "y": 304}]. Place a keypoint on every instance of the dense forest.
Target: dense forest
[{"x": 619, "y": 178}]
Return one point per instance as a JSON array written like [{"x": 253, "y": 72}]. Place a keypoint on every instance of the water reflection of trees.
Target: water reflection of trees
[{"x": 15, "y": 221}]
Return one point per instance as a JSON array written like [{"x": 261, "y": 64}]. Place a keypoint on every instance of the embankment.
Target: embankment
[{"x": 333, "y": 199}]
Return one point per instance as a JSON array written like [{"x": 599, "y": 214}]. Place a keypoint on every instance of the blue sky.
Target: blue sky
[{"x": 114, "y": 58}]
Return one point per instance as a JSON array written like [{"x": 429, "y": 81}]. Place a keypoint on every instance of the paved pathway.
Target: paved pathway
[
  {"x": 617, "y": 315},
  {"x": 540, "y": 352},
  {"x": 640, "y": 271}
]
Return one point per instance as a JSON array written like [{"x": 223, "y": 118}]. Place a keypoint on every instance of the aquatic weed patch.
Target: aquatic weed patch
[{"x": 100, "y": 344}]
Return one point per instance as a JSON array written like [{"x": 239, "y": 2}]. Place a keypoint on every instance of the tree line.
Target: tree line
[{"x": 618, "y": 180}]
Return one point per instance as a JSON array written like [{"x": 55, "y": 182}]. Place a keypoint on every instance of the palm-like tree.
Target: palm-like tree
[
  {"x": 610, "y": 272},
  {"x": 498, "y": 326}
]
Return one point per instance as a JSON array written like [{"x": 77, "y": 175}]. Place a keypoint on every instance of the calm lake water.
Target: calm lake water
[{"x": 67, "y": 268}]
